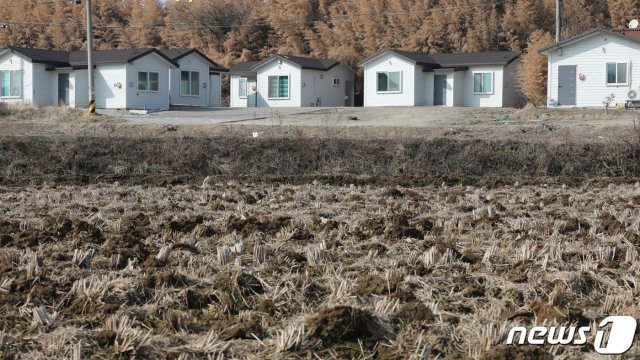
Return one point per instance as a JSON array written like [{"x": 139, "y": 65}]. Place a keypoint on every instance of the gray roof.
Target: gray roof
[
  {"x": 585, "y": 35},
  {"x": 177, "y": 54},
  {"x": 309, "y": 63},
  {"x": 117, "y": 56},
  {"x": 42, "y": 56},
  {"x": 244, "y": 67},
  {"x": 250, "y": 67},
  {"x": 79, "y": 58},
  {"x": 455, "y": 60}
]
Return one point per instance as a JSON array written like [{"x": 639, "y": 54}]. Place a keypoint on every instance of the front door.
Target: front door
[
  {"x": 567, "y": 85},
  {"x": 252, "y": 99},
  {"x": 63, "y": 89},
  {"x": 440, "y": 90}
]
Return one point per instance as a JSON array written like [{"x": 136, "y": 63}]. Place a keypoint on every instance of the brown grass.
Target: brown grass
[
  {"x": 120, "y": 270},
  {"x": 174, "y": 159}
]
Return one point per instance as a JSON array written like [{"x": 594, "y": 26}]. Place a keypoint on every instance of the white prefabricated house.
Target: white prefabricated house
[
  {"x": 585, "y": 69},
  {"x": 123, "y": 78},
  {"x": 402, "y": 78},
  {"x": 197, "y": 81},
  {"x": 291, "y": 81}
]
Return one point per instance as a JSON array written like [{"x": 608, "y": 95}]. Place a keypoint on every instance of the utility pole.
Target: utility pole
[
  {"x": 92, "y": 91},
  {"x": 558, "y": 20}
]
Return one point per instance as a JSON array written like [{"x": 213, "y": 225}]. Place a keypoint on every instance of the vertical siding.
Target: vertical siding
[
  {"x": 390, "y": 62},
  {"x": 234, "y": 93},
  {"x": 458, "y": 88},
  {"x": 512, "y": 94},
  {"x": 319, "y": 85},
  {"x": 147, "y": 99},
  {"x": 274, "y": 68},
  {"x": 311, "y": 82},
  {"x": 234, "y": 97},
  {"x": 421, "y": 92},
  {"x": 82, "y": 88},
  {"x": 108, "y": 96},
  {"x": 43, "y": 90},
  {"x": 191, "y": 62},
  {"x": 484, "y": 100},
  {"x": 590, "y": 56},
  {"x": 215, "y": 90},
  {"x": 428, "y": 87}
]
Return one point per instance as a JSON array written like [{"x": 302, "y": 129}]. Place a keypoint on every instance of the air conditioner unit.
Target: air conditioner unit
[{"x": 632, "y": 94}]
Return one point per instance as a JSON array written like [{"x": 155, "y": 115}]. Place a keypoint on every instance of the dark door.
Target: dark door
[
  {"x": 567, "y": 85},
  {"x": 439, "y": 90},
  {"x": 63, "y": 89}
]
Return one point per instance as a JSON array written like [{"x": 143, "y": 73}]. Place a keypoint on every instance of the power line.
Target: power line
[{"x": 185, "y": 26}]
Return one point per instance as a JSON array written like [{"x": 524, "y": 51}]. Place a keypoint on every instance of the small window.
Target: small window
[
  {"x": 189, "y": 83},
  {"x": 148, "y": 81},
  {"x": 483, "y": 83},
  {"x": 336, "y": 82},
  {"x": 617, "y": 74},
  {"x": 389, "y": 82},
  {"x": 278, "y": 87},
  {"x": 11, "y": 83},
  {"x": 243, "y": 88}
]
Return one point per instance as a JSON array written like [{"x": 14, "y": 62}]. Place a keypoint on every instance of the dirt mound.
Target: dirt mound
[
  {"x": 198, "y": 299},
  {"x": 135, "y": 220},
  {"x": 610, "y": 225},
  {"x": 372, "y": 285},
  {"x": 344, "y": 323},
  {"x": 394, "y": 193},
  {"x": 125, "y": 247},
  {"x": 415, "y": 311},
  {"x": 245, "y": 329},
  {"x": 185, "y": 223},
  {"x": 398, "y": 228},
  {"x": 376, "y": 285},
  {"x": 547, "y": 312},
  {"x": 170, "y": 278},
  {"x": 369, "y": 227},
  {"x": 5, "y": 239},
  {"x": 249, "y": 225},
  {"x": 575, "y": 224},
  {"x": 238, "y": 284}
]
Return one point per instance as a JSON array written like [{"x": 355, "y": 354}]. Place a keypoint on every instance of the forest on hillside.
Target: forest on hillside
[{"x": 230, "y": 31}]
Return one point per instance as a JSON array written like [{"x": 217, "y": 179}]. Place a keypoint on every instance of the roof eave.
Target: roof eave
[
  {"x": 319, "y": 68},
  {"x": 385, "y": 51},
  {"x": 243, "y": 73},
  {"x": 585, "y": 35},
  {"x": 219, "y": 69},
  {"x": 153, "y": 51},
  {"x": 203, "y": 56}
]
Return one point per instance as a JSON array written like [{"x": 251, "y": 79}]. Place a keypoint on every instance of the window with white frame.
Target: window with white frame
[
  {"x": 242, "y": 93},
  {"x": 148, "y": 81},
  {"x": 11, "y": 83},
  {"x": 189, "y": 83},
  {"x": 336, "y": 82},
  {"x": 279, "y": 87},
  {"x": 483, "y": 83},
  {"x": 389, "y": 82},
  {"x": 617, "y": 74}
]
